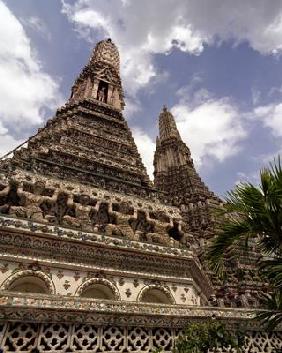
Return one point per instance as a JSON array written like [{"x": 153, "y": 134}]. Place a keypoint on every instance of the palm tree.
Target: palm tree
[
  {"x": 254, "y": 212},
  {"x": 272, "y": 317}
]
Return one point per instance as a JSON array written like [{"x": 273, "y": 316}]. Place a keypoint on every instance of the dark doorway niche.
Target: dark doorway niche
[
  {"x": 102, "y": 93},
  {"x": 174, "y": 232}
]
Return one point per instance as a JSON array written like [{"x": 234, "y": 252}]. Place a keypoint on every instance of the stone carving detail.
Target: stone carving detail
[
  {"x": 92, "y": 281},
  {"x": 162, "y": 339},
  {"x": 141, "y": 225},
  {"x": 20, "y": 337},
  {"x": 113, "y": 339},
  {"x": 128, "y": 292},
  {"x": 29, "y": 273},
  {"x": 138, "y": 339},
  {"x": 163, "y": 289},
  {"x": 85, "y": 338},
  {"x": 31, "y": 199},
  {"x": 66, "y": 249},
  {"x": 183, "y": 297},
  {"x": 82, "y": 338},
  {"x": 8, "y": 197},
  {"x": 122, "y": 222},
  {"x": 264, "y": 342},
  {"x": 54, "y": 337},
  {"x": 78, "y": 210}
]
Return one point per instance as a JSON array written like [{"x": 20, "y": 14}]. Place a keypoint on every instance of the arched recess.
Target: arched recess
[
  {"x": 29, "y": 282},
  {"x": 98, "y": 288},
  {"x": 156, "y": 294}
]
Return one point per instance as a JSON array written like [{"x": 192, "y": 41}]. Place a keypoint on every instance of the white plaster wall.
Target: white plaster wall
[{"x": 68, "y": 281}]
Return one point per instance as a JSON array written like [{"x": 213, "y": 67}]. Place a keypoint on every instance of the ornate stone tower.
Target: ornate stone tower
[
  {"x": 91, "y": 257},
  {"x": 175, "y": 175},
  {"x": 88, "y": 140}
]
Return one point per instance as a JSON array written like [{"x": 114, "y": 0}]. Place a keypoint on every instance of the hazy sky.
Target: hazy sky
[{"x": 216, "y": 64}]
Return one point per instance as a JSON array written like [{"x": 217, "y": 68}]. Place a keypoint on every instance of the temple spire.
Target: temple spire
[
  {"x": 167, "y": 126},
  {"x": 88, "y": 140},
  {"x": 175, "y": 175},
  {"x": 100, "y": 78},
  {"x": 171, "y": 151}
]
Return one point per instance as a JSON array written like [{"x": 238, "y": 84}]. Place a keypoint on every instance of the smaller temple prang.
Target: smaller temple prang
[
  {"x": 167, "y": 126},
  {"x": 175, "y": 175}
]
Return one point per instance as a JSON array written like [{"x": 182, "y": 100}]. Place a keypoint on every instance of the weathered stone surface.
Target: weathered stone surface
[{"x": 176, "y": 177}]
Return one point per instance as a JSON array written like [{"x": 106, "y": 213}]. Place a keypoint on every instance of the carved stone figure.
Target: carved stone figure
[
  {"x": 122, "y": 227},
  {"x": 31, "y": 201},
  {"x": 9, "y": 197},
  {"x": 101, "y": 95},
  {"x": 160, "y": 234},
  {"x": 82, "y": 211},
  {"x": 100, "y": 216},
  {"x": 141, "y": 225},
  {"x": 4, "y": 207}
]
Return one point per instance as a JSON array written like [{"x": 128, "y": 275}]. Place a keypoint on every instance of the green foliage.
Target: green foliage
[
  {"x": 272, "y": 317},
  {"x": 200, "y": 337},
  {"x": 272, "y": 270},
  {"x": 255, "y": 212},
  {"x": 252, "y": 212}
]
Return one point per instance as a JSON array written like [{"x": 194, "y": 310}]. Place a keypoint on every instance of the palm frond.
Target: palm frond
[
  {"x": 273, "y": 316},
  {"x": 272, "y": 270},
  {"x": 230, "y": 235},
  {"x": 251, "y": 212}
]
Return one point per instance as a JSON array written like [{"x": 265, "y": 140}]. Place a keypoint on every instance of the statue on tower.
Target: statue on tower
[{"x": 101, "y": 95}]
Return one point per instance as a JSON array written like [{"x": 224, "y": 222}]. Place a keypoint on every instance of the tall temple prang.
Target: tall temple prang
[
  {"x": 100, "y": 79},
  {"x": 93, "y": 256}
]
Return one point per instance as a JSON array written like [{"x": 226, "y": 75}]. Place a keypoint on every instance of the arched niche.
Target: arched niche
[
  {"x": 29, "y": 282},
  {"x": 156, "y": 294},
  {"x": 102, "y": 92},
  {"x": 98, "y": 288}
]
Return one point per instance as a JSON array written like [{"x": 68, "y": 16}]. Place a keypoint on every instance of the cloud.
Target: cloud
[
  {"x": 271, "y": 117},
  {"x": 37, "y": 25},
  {"x": 210, "y": 127},
  {"x": 25, "y": 89},
  {"x": 138, "y": 30},
  {"x": 7, "y": 142},
  {"x": 146, "y": 148},
  {"x": 144, "y": 28},
  {"x": 251, "y": 177}
]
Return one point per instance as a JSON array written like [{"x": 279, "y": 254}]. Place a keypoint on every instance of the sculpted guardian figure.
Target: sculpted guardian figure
[{"x": 30, "y": 202}]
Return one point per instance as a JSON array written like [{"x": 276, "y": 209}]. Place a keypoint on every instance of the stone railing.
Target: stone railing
[
  {"x": 82, "y": 338},
  {"x": 71, "y": 324},
  {"x": 21, "y": 306}
]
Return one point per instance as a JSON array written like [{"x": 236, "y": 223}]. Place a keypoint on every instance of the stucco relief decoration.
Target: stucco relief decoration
[
  {"x": 30, "y": 274},
  {"x": 93, "y": 281},
  {"x": 164, "y": 289}
]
